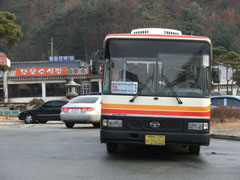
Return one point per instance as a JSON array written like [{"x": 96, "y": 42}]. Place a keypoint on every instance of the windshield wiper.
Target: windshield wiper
[
  {"x": 142, "y": 88},
  {"x": 171, "y": 88}
]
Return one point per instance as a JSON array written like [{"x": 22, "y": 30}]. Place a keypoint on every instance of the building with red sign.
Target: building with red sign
[
  {"x": 4, "y": 59},
  {"x": 46, "y": 80}
]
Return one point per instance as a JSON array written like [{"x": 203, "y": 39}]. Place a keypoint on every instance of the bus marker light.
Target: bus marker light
[{"x": 105, "y": 122}]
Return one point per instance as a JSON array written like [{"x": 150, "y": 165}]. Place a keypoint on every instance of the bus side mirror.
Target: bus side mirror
[
  {"x": 216, "y": 75},
  {"x": 96, "y": 57}
]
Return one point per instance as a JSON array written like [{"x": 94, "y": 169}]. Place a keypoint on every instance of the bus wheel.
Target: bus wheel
[
  {"x": 112, "y": 147},
  {"x": 194, "y": 149}
]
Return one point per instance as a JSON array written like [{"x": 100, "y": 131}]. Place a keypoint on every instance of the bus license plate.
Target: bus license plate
[{"x": 158, "y": 140}]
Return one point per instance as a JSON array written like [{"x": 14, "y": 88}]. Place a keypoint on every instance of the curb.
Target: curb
[
  {"x": 9, "y": 122},
  {"x": 227, "y": 137}
]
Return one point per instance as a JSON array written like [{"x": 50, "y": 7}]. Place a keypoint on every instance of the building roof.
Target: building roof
[{"x": 31, "y": 64}]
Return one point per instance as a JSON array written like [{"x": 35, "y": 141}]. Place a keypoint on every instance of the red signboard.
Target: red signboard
[
  {"x": 44, "y": 71},
  {"x": 3, "y": 61},
  {"x": 3, "y": 58}
]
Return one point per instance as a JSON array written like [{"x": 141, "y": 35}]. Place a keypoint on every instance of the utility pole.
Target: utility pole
[
  {"x": 51, "y": 43},
  {"x": 5, "y": 86},
  {"x": 52, "y": 46}
]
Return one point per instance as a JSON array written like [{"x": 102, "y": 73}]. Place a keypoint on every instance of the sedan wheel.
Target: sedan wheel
[
  {"x": 43, "y": 122},
  {"x": 28, "y": 119},
  {"x": 96, "y": 125},
  {"x": 69, "y": 124}
]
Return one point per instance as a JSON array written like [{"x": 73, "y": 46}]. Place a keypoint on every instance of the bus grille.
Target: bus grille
[{"x": 166, "y": 125}]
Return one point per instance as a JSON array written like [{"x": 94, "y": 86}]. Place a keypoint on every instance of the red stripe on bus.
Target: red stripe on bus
[{"x": 161, "y": 113}]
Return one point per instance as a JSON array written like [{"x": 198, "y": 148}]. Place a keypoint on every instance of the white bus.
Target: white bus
[{"x": 156, "y": 89}]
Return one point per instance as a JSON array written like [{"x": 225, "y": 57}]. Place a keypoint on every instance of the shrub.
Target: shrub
[
  {"x": 36, "y": 102},
  {"x": 223, "y": 114}
]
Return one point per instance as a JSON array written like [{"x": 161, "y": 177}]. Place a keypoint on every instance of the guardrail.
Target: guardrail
[{"x": 9, "y": 112}]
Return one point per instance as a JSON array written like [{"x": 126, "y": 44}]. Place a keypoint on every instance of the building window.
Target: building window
[
  {"x": 94, "y": 87},
  {"x": 24, "y": 90},
  {"x": 55, "y": 89},
  {"x": 85, "y": 87}
]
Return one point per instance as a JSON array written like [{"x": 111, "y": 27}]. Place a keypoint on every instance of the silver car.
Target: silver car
[{"x": 82, "y": 109}]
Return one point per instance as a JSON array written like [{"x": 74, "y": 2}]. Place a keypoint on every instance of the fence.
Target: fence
[{"x": 8, "y": 112}]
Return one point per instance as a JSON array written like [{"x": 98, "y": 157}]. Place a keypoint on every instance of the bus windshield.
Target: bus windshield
[{"x": 157, "y": 66}]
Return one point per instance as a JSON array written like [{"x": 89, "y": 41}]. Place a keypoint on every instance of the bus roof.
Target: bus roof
[{"x": 156, "y": 36}]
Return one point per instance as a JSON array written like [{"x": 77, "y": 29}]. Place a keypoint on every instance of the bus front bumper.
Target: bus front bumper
[{"x": 138, "y": 137}]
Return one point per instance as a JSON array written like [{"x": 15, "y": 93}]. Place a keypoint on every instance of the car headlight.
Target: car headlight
[
  {"x": 112, "y": 123},
  {"x": 197, "y": 126}
]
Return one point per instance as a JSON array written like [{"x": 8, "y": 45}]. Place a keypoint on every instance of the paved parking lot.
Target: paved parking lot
[
  {"x": 14, "y": 123},
  {"x": 51, "y": 151}
]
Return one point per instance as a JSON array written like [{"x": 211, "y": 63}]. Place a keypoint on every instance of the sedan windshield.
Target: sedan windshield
[{"x": 130, "y": 63}]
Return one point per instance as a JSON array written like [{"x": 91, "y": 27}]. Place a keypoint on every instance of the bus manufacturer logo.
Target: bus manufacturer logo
[{"x": 154, "y": 124}]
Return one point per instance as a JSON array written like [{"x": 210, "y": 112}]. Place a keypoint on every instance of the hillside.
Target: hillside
[{"x": 78, "y": 27}]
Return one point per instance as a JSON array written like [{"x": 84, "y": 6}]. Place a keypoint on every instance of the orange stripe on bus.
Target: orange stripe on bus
[
  {"x": 152, "y": 107},
  {"x": 160, "y": 113}
]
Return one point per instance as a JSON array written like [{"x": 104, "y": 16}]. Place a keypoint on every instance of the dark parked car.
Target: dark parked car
[
  {"x": 225, "y": 100},
  {"x": 46, "y": 112}
]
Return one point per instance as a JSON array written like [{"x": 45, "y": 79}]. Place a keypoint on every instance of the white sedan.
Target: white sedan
[{"x": 82, "y": 109}]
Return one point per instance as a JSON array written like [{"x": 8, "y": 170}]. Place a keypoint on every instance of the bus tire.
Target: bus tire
[
  {"x": 112, "y": 147},
  {"x": 194, "y": 149}
]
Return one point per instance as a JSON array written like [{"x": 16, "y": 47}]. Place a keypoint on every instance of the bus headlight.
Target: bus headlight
[
  {"x": 112, "y": 123},
  {"x": 197, "y": 126}
]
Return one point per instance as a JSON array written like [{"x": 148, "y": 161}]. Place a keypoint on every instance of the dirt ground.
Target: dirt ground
[
  {"x": 10, "y": 118},
  {"x": 225, "y": 125}
]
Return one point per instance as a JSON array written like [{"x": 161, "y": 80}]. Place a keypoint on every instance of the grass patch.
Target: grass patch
[{"x": 223, "y": 114}]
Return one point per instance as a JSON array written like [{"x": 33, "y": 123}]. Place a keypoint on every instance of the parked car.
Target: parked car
[
  {"x": 225, "y": 100},
  {"x": 46, "y": 112},
  {"x": 82, "y": 109}
]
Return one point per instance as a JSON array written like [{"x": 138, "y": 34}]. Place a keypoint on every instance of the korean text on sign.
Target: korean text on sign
[
  {"x": 45, "y": 71},
  {"x": 120, "y": 87}
]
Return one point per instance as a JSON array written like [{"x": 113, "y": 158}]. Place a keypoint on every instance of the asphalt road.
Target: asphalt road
[{"x": 52, "y": 152}]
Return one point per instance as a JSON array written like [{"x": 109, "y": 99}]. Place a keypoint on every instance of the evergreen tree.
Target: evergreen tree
[
  {"x": 8, "y": 29},
  {"x": 225, "y": 35},
  {"x": 192, "y": 20},
  {"x": 218, "y": 52}
]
